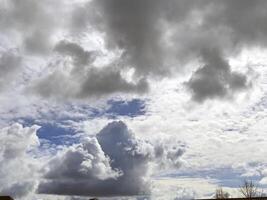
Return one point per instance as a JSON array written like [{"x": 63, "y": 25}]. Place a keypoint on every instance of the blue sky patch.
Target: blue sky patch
[
  {"x": 133, "y": 108},
  {"x": 56, "y": 134},
  {"x": 52, "y": 132},
  {"x": 55, "y": 129}
]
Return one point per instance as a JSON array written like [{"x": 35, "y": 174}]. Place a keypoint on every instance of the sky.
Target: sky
[{"x": 132, "y": 99}]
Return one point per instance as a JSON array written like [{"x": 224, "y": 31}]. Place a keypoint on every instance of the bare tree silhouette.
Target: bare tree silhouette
[
  {"x": 220, "y": 194},
  {"x": 249, "y": 190}
]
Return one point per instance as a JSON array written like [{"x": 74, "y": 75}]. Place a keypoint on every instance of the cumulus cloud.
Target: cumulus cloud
[
  {"x": 115, "y": 163},
  {"x": 15, "y": 144},
  {"x": 83, "y": 161}
]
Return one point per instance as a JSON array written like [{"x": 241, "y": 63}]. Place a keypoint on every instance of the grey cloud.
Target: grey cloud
[
  {"x": 80, "y": 56},
  {"x": 133, "y": 26},
  {"x": 215, "y": 79},
  {"x": 128, "y": 156},
  {"x": 37, "y": 42},
  {"x": 156, "y": 37},
  {"x": 27, "y": 14},
  {"x": 35, "y": 22},
  {"x": 94, "y": 83},
  {"x": 142, "y": 29},
  {"x": 79, "y": 19},
  {"x": 9, "y": 66},
  {"x": 108, "y": 81},
  {"x": 84, "y": 80},
  {"x": 18, "y": 190},
  {"x": 138, "y": 27},
  {"x": 245, "y": 21},
  {"x": 54, "y": 85}
]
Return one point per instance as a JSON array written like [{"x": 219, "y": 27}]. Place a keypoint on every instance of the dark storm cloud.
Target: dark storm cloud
[
  {"x": 215, "y": 79},
  {"x": 132, "y": 25},
  {"x": 245, "y": 20},
  {"x": 127, "y": 159},
  {"x": 135, "y": 26},
  {"x": 141, "y": 29}
]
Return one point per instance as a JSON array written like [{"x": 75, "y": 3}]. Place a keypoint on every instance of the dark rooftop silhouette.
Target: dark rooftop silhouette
[
  {"x": 251, "y": 198},
  {"x": 6, "y": 198}
]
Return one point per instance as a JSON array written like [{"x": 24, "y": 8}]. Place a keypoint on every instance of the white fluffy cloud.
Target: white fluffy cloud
[{"x": 18, "y": 168}]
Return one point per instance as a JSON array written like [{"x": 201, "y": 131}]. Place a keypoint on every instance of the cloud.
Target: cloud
[
  {"x": 79, "y": 55},
  {"x": 94, "y": 83},
  {"x": 139, "y": 28},
  {"x": 37, "y": 42},
  {"x": 109, "y": 81},
  {"x": 215, "y": 79},
  {"x": 83, "y": 161},
  {"x": 18, "y": 190},
  {"x": 9, "y": 66},
  {"x": 34, "y": 22},
  {"x": 245, "y": 29},
  {"x": 158, "y": 38},
  {"x": 143, "y": 30},
  {"x": 133, "y": 27},
  {"x": 155, "y": 38},
  {"x": 185, "y": 193},
  {"x": 83, "y": 80},
  {"x": 15, "y": 144},
  {"x": 114, "y": 163}
]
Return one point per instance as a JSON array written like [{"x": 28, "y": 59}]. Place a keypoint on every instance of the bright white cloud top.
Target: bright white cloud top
[{"x": 131, "y": 99}]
